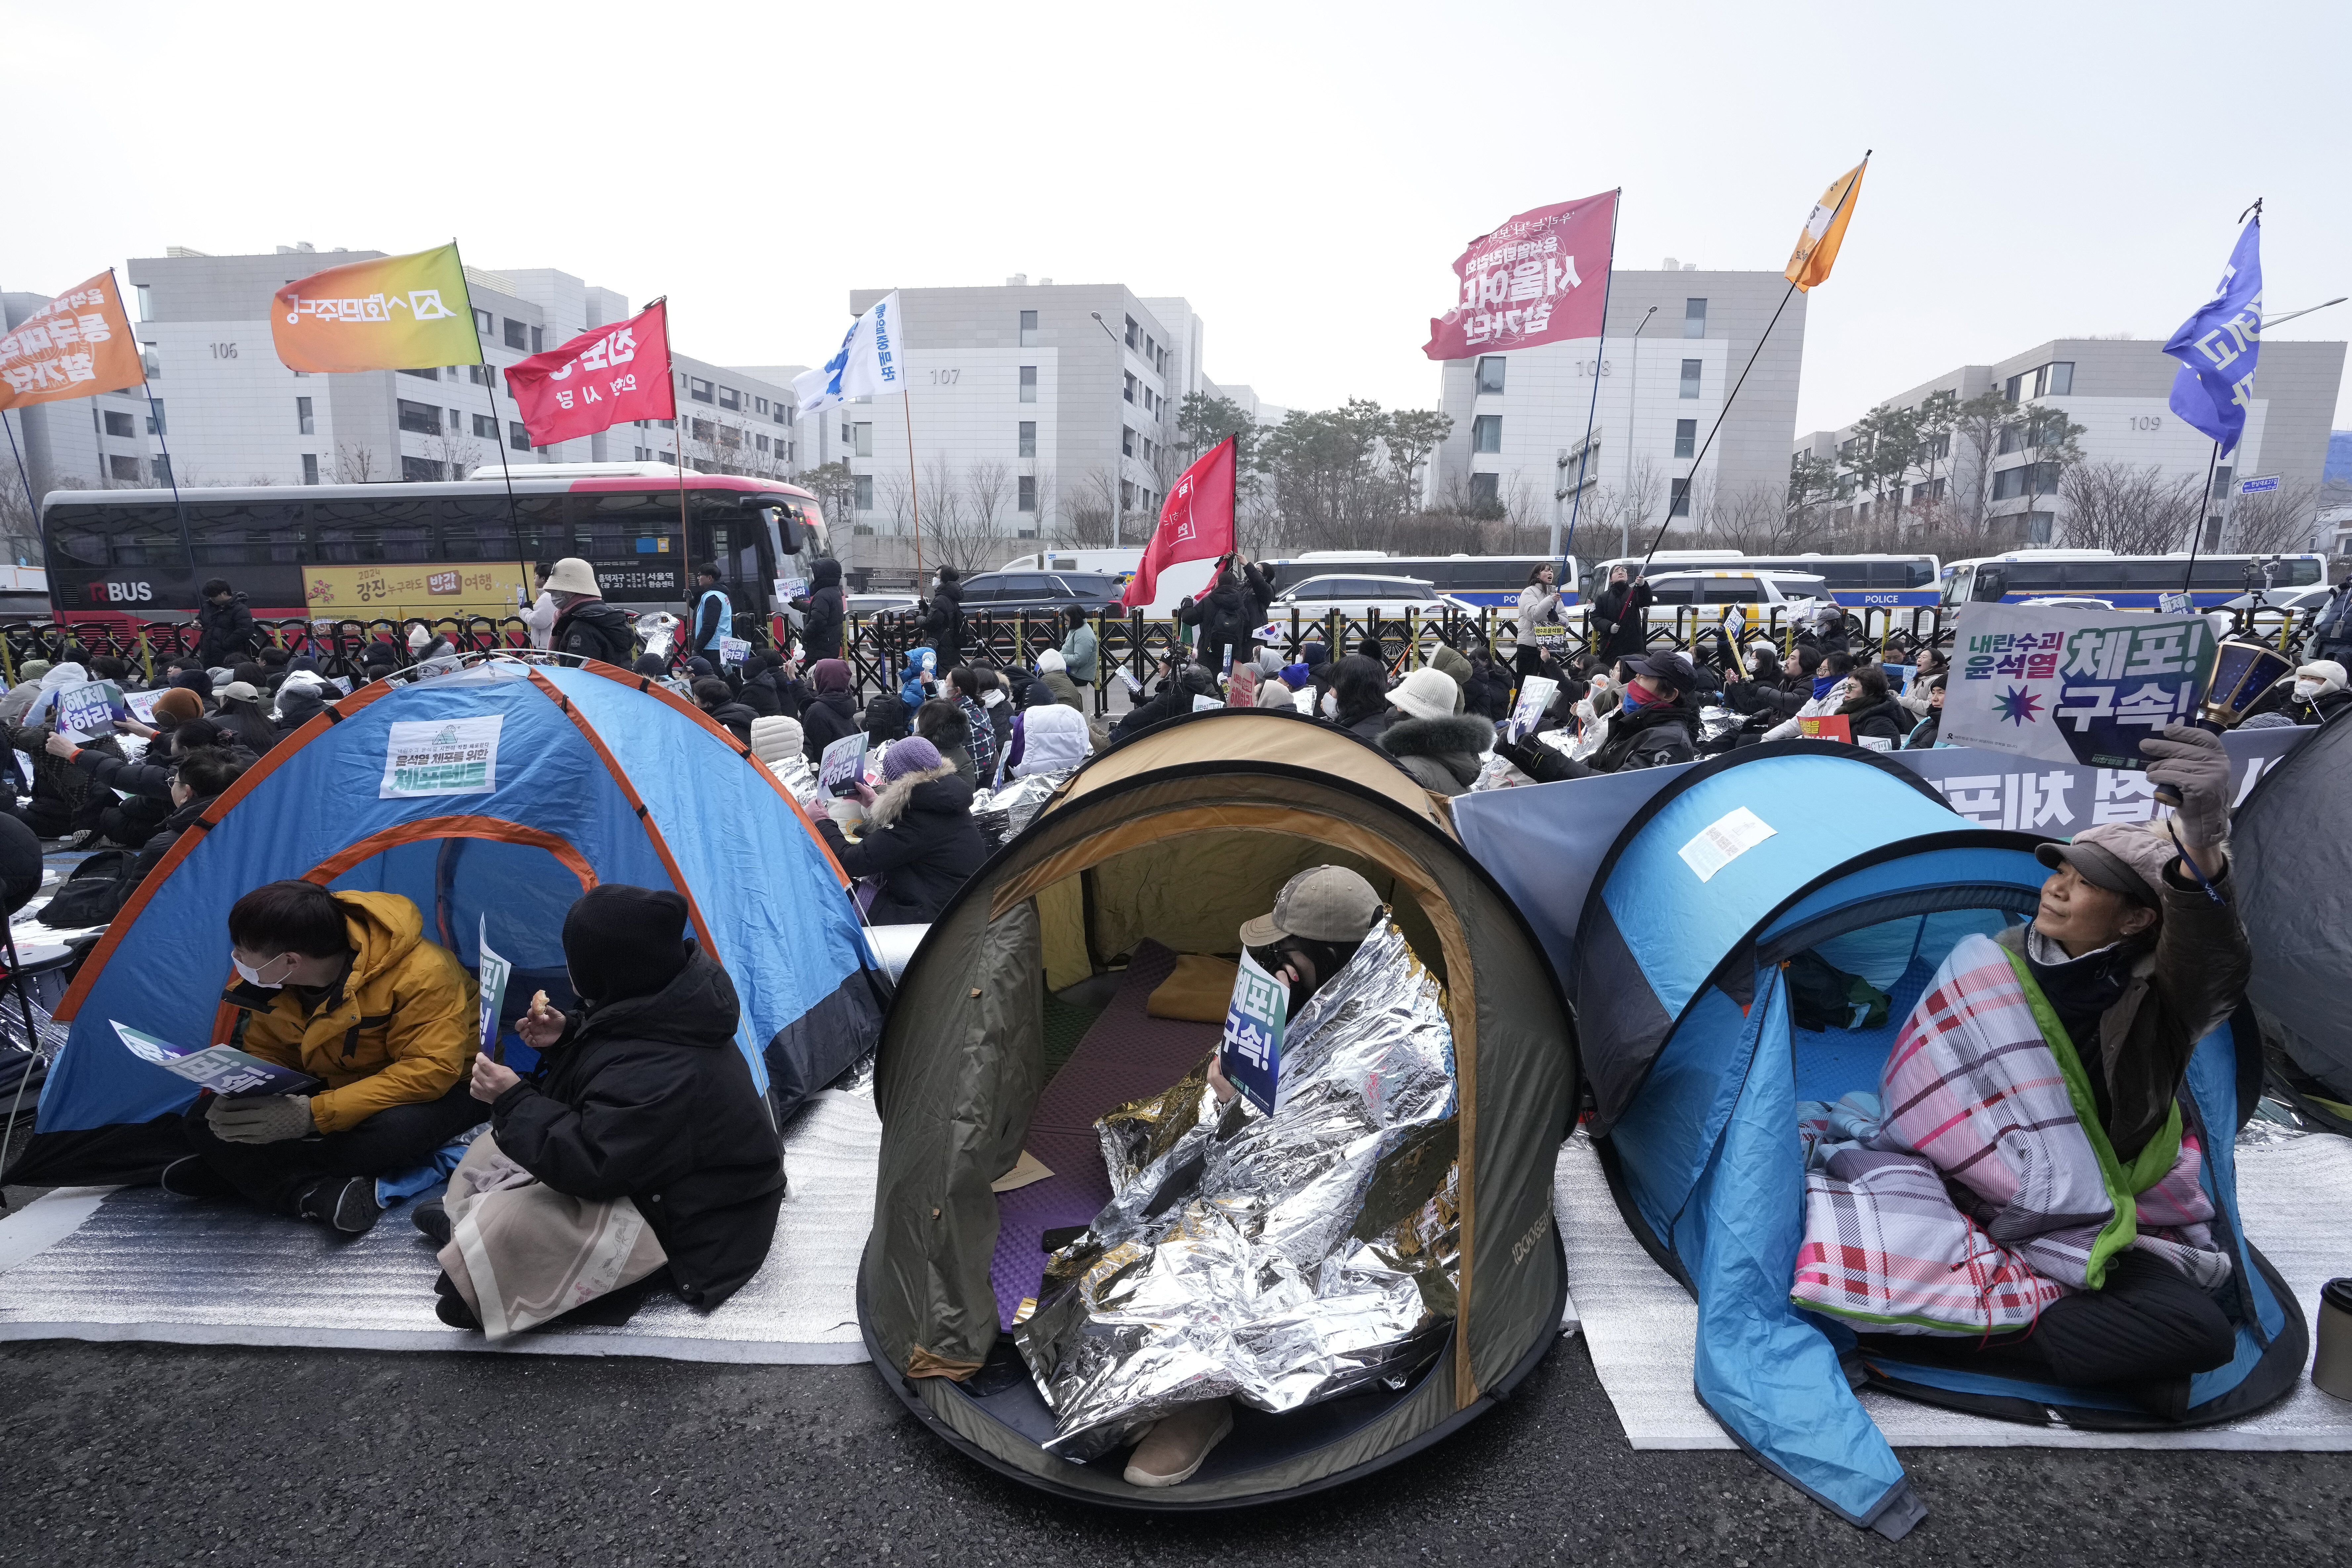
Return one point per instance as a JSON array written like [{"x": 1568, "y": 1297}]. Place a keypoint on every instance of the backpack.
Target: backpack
[{"x": 95, "y": 893}]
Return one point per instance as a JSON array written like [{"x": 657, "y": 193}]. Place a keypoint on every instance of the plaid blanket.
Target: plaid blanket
[{"x": 1977, "y": 1197}]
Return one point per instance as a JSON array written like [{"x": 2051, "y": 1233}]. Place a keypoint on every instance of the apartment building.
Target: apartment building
[{"x": 1652, "y": 386}]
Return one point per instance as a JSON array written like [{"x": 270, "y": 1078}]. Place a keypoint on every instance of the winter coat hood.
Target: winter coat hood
[
  {"x": 1448, "y": 747},
  {"x": 1055, "y": 739},
  {"x": 933, "y": 789},
  {"x": 827, "y": 573}
]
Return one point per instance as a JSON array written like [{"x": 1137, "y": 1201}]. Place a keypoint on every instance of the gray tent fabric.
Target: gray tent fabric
[
  {"x": 2296, "y": 832},
  {"x": 1222, "y": 806}
]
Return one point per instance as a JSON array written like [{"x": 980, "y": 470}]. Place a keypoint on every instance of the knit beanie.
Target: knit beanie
[
  {"x": 912, "y": 754},
  {"x": 621, "y": 941}
]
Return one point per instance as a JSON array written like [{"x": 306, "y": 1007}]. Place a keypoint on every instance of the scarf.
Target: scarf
[{"x": 1821, "y": 684}]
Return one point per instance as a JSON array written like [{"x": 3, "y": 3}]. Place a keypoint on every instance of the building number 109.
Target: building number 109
[{"x": 2147, "y": 422}]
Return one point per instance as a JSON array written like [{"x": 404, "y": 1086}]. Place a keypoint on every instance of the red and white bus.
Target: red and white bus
[{"x": 370, "y": 552}]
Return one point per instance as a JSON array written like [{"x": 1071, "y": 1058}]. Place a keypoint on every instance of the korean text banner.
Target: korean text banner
[
  {"x": 78, "y": 344},
  {"x": 1196, "y": 521},
  {"x": 870, "y": 362},
  {"x": 394, "y": 313},
  {"x": 2218, "y": 345},
  {"x": 2074, "y": 685},
  {"x": 605, "y": 375},
  {"x": 1540, "y": 279}
]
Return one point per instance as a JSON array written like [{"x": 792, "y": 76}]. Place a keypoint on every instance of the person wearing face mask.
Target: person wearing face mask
[
  {"x": 343, "y": 987},
  {"x": 642, "y": 1111},
  {"x": 2319, "y": 695},
  {"x": 1319, "y": 919}
]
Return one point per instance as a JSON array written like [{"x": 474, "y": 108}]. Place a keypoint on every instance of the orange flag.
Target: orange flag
[
  {"x": 392, "y": 313},
  {"x": 77, "y": 344},
  {"x": 1817, "y": 247}
]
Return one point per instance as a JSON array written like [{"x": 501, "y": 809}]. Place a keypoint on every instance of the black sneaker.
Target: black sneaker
[
  {"x": 432, "y": 1217},
  {"x": 450, "y": 1306},
  {"x": 346, "y": 1204},
  {"x": 192, "y": 1178}
]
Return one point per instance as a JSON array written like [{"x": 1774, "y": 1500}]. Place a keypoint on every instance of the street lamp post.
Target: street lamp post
[{"x": 1119, "y": 447}]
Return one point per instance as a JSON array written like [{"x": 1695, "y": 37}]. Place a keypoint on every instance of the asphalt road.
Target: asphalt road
[{"x": 137, "y": 1454}]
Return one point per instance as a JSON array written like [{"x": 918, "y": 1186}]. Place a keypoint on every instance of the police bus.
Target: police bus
[
  {"x": 1856, "y": 582},
  {"x": 1489, "y": 581},
  {"x": 371, "y": 552},
  {"x": 2126, "y": 581}
]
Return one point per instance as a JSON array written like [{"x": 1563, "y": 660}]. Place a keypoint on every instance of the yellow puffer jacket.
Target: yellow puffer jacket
[{"x": 402, "y": 1028}]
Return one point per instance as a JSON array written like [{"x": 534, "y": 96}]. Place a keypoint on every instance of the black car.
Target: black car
[{"x": 1000, "y": 595}]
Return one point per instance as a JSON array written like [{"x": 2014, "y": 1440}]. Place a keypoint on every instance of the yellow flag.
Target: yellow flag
[
  {"x": 1817, "y": 247},
  {"x": 389, "y": 313}
]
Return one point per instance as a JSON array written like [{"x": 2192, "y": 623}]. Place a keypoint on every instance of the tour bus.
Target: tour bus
[
  {"x": 1856, "y": 582},
  {"x": 426, "y": 551},
  {"x": 2126, "y": 581},
  {"x": 1485, "y": 580}
]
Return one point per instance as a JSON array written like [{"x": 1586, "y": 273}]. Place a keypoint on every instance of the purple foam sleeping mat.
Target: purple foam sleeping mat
[{"x": 1125, "y": 1055}]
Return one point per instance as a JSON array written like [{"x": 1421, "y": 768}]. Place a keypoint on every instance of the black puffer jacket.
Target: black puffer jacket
[
  {"x": 828, "y": 716},
  {"x": 648, "y": 1099},
  {"x": 920, "y": 841},
  {"x": 1223, "y": 618},
  {"x": 736, "y": 717},
  {"x": 1885, "y": 720},
  {"x": 943, "y": 625},
  {"x": 592, "y": 629},
  {"x": 823, "y": 613},
  {"x": 159, "y": 843},
  {"x": 1622, "y": 605},
  {"x": 1443, "y": 753},
  {"x": 1172, "y": 700},
  {"x": 226, "y": 637}
]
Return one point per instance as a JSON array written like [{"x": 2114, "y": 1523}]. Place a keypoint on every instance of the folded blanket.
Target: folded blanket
[
  {"x": 1977, "y": 1187},
  {"x": 521, "y": 1253}
]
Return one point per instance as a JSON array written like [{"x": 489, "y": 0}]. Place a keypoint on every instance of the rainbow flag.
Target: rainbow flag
[{"x": 394, "y": 313}]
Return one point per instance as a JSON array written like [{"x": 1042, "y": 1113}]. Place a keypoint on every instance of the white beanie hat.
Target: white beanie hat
[
  {"x": 1427, "y": 692},
  {"x": 1050, "y": 661}
]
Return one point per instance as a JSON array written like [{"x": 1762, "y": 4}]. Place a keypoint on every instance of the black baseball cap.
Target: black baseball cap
[{"x": 1670, "y": 667}]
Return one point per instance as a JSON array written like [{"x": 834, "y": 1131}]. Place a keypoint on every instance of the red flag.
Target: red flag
[
  {"x": 1539, "y": 278},
  {"x": 1196, "y": 522},
  {"x": 605, "y": 375}
]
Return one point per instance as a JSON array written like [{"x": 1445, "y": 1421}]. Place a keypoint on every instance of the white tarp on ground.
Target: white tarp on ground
[
  {"x": 1643, "y": 1327},
  {"x": 142, "y": 1265}
]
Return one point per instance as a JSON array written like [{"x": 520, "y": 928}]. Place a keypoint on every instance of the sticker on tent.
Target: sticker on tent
[
  {"x": 1724, "y": 841},
  {"x": 442, "y": 757}
]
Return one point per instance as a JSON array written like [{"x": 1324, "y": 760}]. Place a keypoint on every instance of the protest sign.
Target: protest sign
[
  {"x": 1826, "y": 726},
  {"x": 733, "y": 650},
  {"x": 141, "y": 706},
  {"x": 1206, "y": 705},
  {"x": 226, "y": 1071},
  {"x": 1535, "y": 697},
  {"x": 843, "y": 765},
  {"x": 87, "y": 711},
  {"x": 2073, "y": 685},
  {"x": 442, "y": 757},
  {"x": 1250, "y": 1053},
  {"x": 494, "y": 972}
]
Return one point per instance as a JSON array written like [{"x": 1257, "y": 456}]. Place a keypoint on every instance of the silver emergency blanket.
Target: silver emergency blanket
[
  {"x": 1001, "y": 814},
  {"x": 799, "y": 780},
  {"x": 1251, "y": 1256}
]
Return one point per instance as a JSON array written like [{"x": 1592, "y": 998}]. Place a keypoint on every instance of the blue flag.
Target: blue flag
[{"x": 2217, "y": 346}]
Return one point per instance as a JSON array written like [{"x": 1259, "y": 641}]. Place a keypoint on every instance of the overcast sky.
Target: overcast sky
[{"x": 1304, "y": 174}]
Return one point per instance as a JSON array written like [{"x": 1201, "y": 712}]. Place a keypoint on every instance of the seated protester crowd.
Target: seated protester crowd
[
  {"x": 916, "y": 841},
  {"x": 1924, "y": 735},
  {"x": 641, "y": 1103},
  {"x": 1872, "y": 711},
  {"x": 774, "y": 688},
  {"x": 1175, "y": 696},
  {"x": 941, "y": 722},
  {"x": 1047, "y": 737},
  {"x": 1057, "y": 677},
  {"x": 1360, "y": 696},
  {"x": 198, "y": 776},
  {"x": 964, "y": 688},
  {"x": 2135, "y": 962},
  {"x": 343, "y": 987},
  {"x": 131, "y": 821},
  {"x": 60, "y": 800}
]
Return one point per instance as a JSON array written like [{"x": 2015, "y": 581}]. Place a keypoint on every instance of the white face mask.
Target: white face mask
[
  {"x": 283, "y": 964},
  {"x": 2306, "y": 690},
  {"x": 989, "y": 699}
]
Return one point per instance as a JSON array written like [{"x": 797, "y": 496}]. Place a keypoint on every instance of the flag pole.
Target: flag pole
[
  {"x": 1576, "y": 505},
  {"x": 22, "y": 473},
  {"x": 2196, "y": 528},
  {"x": 914, "y": 495},
  {"x": 1683, "y": 485},
  {"x": 163, "y": 440},
  {"x": 498, "y": 436}
]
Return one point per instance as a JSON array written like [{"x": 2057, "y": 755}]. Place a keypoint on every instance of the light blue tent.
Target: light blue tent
[
  {"x": 503, "y": 792},
  {"x": 1696, "y": 1064}
]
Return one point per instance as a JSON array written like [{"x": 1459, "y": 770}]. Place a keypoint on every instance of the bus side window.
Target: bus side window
[{"x": 1991, "y": 583}]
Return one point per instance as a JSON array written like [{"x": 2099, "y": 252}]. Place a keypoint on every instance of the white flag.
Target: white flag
[{"x": 871, "y": 362}]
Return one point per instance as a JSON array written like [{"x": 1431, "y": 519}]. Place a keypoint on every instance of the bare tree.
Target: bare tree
[
  {"x": 988, "y": 494},
  {"x": 957, "y": 532},
  {"x": 2283, "y": 520},
  {"x": 1085, "y": 519},
  {"x": 2128, "y": 510},
  {"x": 356, "y": 464},
  {"x": 458, "y": 458}
]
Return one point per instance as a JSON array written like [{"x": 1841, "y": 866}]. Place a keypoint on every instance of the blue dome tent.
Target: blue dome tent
[
  {"x": 504, "y": 790},
  {"x": 1696, "y": 1063}
]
